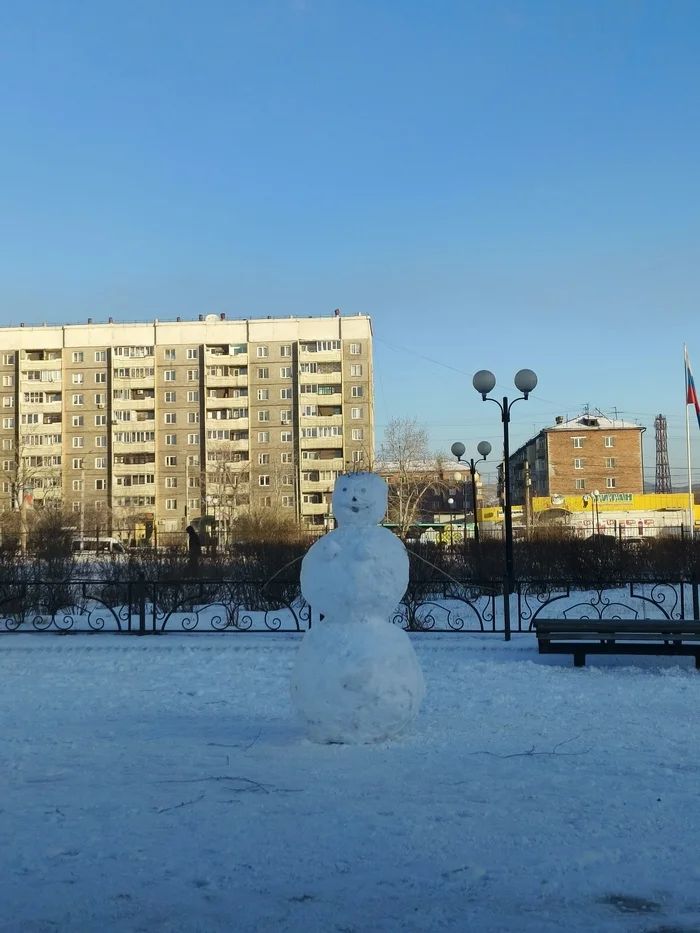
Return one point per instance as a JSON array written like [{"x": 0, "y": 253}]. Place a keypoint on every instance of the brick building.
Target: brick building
[{"x": 577, "y": 456}]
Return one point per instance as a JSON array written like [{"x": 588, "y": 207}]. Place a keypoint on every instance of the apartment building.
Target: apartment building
[
  {"x": 160, "y": 424},
  {"x": 577, "y": 456}
]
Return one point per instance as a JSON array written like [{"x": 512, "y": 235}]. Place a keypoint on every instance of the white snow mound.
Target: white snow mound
[{"x": 356, "y": 682}]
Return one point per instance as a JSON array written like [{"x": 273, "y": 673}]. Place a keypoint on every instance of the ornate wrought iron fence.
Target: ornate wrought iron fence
[{"x": 200, "y": 606}]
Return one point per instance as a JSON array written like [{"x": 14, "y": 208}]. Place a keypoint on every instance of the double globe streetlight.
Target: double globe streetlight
[
  {"x": 458, "y": 450},
  {"x": 484, "y": 382}
]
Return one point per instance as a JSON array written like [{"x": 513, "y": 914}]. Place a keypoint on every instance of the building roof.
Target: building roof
[{"x": 593, "y": 422}]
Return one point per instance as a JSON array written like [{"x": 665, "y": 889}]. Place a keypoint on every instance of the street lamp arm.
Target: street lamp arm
[
  {"x": 504, "y": 407},
  {"x": 520, "y": 398}
]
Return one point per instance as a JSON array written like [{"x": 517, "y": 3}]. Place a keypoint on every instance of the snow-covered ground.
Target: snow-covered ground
[{"x": 161, "y": 784}]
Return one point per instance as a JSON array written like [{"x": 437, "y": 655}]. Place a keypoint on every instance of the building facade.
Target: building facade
[
  {"x": 161, "y": 424},
  {"x": 579, "y": 456}
]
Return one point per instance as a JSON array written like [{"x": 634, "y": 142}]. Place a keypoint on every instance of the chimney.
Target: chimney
[
  {"x": 110, "y": 320},
  {"x": 201, "y": 317},
  {"x": 89, "y": 320},
  {"x": 179, "y": 320},
  {"x": 336, "y": 313},
  {"x": 223, "y": 316},
  {"x": 22, "y": 324},
  {"x": 559, "y": 419}
]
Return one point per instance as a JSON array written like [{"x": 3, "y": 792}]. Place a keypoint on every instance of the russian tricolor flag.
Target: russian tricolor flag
[{"x": 691, "y": 395}]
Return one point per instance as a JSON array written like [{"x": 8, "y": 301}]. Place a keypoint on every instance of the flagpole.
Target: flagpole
[{"x": 691, "y": 500}]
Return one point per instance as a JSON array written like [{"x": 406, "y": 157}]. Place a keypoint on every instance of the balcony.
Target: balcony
[
  {"x": 135, "y": 382},
  {"x": 314, "y": 508},
  {"x": 224, "y": 379}
]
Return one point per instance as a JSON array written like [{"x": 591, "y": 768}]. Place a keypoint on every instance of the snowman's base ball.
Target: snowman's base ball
[{"x": 356, "y": 682}]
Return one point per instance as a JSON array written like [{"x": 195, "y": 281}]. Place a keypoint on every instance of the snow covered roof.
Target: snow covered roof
[{"x": 593, "y": 422}]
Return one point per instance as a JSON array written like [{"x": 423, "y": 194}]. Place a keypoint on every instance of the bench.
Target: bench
[{"x": 617, "y": 636}]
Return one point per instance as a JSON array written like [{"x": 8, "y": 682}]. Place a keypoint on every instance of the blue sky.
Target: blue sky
[{"x": 499, "y": 184}]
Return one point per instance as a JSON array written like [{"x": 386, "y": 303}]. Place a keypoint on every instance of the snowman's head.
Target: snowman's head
[{"x": 360, "y": 499}]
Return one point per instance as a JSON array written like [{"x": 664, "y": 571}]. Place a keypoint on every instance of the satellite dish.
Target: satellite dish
[{"x": 211, "y": 317}]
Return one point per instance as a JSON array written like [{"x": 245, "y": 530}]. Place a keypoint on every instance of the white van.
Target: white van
[{"x": 97, "y": 547}]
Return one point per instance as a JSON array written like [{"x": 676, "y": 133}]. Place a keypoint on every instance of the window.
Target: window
[
  {"x": 101, "y": 420},
  {"x": 77, "y": 463},
  {"x": 8, "y": 380},
  {"x": 192, "y": 353},
  {"x": 100, "y": 377},
  {"x": 263, "y": 372},
  {"x": 262, "y": 351},
  {"x": 578, "y": 463},
  {"x": 76, "y": 507},
  {"x": 356, "y": 391},
  {"x": 8, "y": 359},
  {"x": 286, "y": 458},
  {"x": 100, "y": 484},
  {"x": 7, "y": 443},
  {"x": 78, "y": 379},
  {"x": 309, "y": 410},
  {"x": 286, "y": 437},
  {"x": 100, "y": 399},
  {"x": 356, "y": 413},
  {"x": 578, "y": 441},
  {"x": 170, "y": 417},
  {"x": 358, "y": 434},
  {"x": 288, "y": 479},
  {"x": 170, "y": 396},
  {"x": 78, "y": 441},
  {"x": 286, "y": 416},
  {"x": 610, "y": 482},
  {"x": 263, "y": 459},
  {"x": 169, "y": 375},
  {"x": 193, "y": 417},
  {"x": 286, "y": 350},
  {"x": 285, "y": 393},
  {"x": 357, "y": 456},
  {"x": 78, "y": 399},
  {"x": 263, "y": 395},
  {"x": 193, "y": 395},
  {"x": 609, "y": 441},
  {"x": 580, "y": 484},
  {"x": 100, "y": 356},
  {"x": 101, "y": 441},
  {"x": 610, "y": 463},
  {"x": 266, "y": 501},
  {"x": 171, "y": 504},
  {"x": 8, "y": 465},
  {"x": 31, "y": 419},
  {"x": 100, "y": 463},
  {"x": 263, "y": 480},
  {"x": 171, "y": 482},
  {"x": 193, "y": 438},
  {"x": 78, "y": 356},
  {"x": 170, "y": 440},
  {"x": 355, "y": 349},
  {"x": 169, "y": 354},
  {"x": 193, "y": 375},
  {"x": 288, "y": 502},
  {"x": 263, "y": 416},
  {"x": 78, "y": 421},
  {"x": 356, "y": 369},
  {"x": 170, "y": 460},
  {"x": 77, "y": 485},
  {"x": 263, "y": 437},
  {"x": 8, "y": 401}
]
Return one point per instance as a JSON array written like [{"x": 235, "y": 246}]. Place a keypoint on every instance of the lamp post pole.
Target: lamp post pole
[
  {"x": 458, "y": 450},
  {"x": 525, "y": 382},
  {"x": 596, "y": 496}
]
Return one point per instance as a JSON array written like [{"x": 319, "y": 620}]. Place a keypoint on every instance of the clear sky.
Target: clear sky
[{"x": 499, "y": 184}]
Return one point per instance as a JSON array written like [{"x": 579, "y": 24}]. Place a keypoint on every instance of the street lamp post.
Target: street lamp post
[
  {"x": 458, "y": 450},
  {"x": 596, "y": 496},
  {"x": 525, "y": 382},
  {"x": 451, "y": 503}
]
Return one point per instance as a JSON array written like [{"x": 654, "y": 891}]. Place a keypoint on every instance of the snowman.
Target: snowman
[{"x": 356, "y": 678}]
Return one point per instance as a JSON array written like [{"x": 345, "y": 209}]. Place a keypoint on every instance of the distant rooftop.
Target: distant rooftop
[{"x": 592, "y": 422}]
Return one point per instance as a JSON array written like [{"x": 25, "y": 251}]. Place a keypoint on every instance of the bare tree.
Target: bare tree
[
  {"x": 33, "y": 480},
  {"x": 411, "y": 470}
]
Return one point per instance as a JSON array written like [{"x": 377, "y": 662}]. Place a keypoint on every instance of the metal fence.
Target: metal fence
[{"x": 145, "y": 607}]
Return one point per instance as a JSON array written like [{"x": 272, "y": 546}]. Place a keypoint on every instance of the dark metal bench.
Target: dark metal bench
[{"x": 617, "y": 636}]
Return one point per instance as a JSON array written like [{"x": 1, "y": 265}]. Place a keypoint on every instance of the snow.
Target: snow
[
  {"x": 162, "y": 784},
  {"x": 357, "y": 678}
]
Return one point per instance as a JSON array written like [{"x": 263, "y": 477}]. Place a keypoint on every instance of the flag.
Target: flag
[{"x": 691, "y": 396}]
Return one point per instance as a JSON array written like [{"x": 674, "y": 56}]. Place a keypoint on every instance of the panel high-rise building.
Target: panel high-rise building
[{"x": 142, "y": 427}]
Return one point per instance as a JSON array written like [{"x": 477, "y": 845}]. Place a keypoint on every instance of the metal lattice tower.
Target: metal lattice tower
[{"x": 663, "y": 471}]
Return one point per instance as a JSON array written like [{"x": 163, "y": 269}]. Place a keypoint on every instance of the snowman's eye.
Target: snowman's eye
[
  {"x": 363, "y": 490},
  {"x": 345, "y": 488}
]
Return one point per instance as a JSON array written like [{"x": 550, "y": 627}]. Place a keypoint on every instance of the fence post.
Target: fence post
[
  {"x": 696, "y": 601},
  {"x": 141, "y": 592},
  {"x": 506, "y": 608}
]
